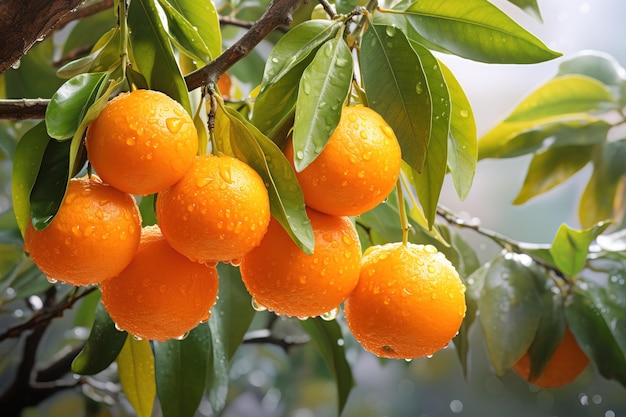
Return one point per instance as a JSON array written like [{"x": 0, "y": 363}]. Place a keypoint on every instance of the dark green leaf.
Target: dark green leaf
[
  {"x": 51, "y": 183},
  {"x": 510, "y": 308},
  {"x": 551, "y": 168},
  {"x": 397, "y": 89},
  {"x": 70, "y": 103},
  {"x": 26, "y": 162},
  {"x": 462, "y": 144},
  {"x": 181, "y": 370},
  {"x": 477, "y": 30},
  {"x": 36, "y": 76},
  {"x": 230, "y": 319},
  {"x": 595, "y": 64},
  {"x": 296, "y": 46},
  {"x": 152, "y": 54},
  {"x": 594, "y": 335},
  {"x": 103, "y": 345},
  {"x": 327, "y": 335},
  {"x": 286, "y": 200},
  {"x": 429, "y": 181},
  {"x": 570, "y": 247},
  {"x": 323, "y": 89}
]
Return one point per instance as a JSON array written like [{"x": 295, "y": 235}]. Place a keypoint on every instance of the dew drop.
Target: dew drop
[
  {"x": 256, "y": 306},
  {"x": 52, "y": 280},
  {"x": 118, "y": 328},
  {"x": 464, "y": 113},
  {"x": 137, "y": 337},
  {"x": 226, "y": 174},
  {"x": 183, "y": 336},
  {"x": 306, "y": 87},
  {"x": 131, "y": 141},
  {"x": 174, "y": 124},
  {"x": 330, "y": 315}
]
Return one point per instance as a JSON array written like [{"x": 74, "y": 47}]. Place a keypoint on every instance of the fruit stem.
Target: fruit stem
[
  {"x": 123, "y": 17},
  {"x": 404, "y": 220},
  {"x": 211, "y": 121}
]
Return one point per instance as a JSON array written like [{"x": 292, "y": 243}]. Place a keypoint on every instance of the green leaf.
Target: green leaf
[
  {"x": 135, "y": 366},
  {"x": 594, "y": 335},
  {"x": 29, "y": 154},
  {"x": 550, "y": 330},
  {"x": 230, "y": 319},
  {"x": 70, "y": 103},
  {"x": 181, "y": 370},
  {"x": 462, "y": 143},
  {"x": 51, "y": 183},
  {"x": 326, "y": 336},
  {"x": 429, "y": 181},
  {"x": 104, "y": 55},
  {"x": 570, "y": 247},
  {"x": 286, "y": 200},
  {"x": 599, "y": 65},
  {"x": 323, "y": 89},
  {"x": 296, "y": 46},
  {"x": 103, "y": 345},
  {"x": 551, "y": 168},
  {"x": 596, "y": 203},
  {"x": 345, "y": 6},
  {"x": 152, "y": 54},
  {"x": 477, "y": 30},
  {"x": 36, "y": 76},
  {"x": 397, "y": 89},
  {"x": 529, "y": 6},
  {"x": 568, "y": 94},
  {"x": 510, "y": 308}
]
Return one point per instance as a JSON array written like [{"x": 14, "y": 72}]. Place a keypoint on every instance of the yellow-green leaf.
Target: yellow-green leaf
[{"x": 135, "y": 366}]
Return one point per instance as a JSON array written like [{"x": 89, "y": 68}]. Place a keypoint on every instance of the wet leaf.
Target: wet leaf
[
  {"x": 135, "y": 366},
  {"x": 510, "y": 309},
  {"x": 397, "y": 89},
  {"x": 323, "y": 89},
  {"x": 181, "y": 371},
  {"x": 595, "y": 336},
  {"x": 286, "y": 200},
  {"x": 103, "y": 345},
  {"x": 477, "y": 30},
  {"x": 151, "y": 53},
  {"x": 326, "y": 335},
  {"x": 70, "y": 103},
  {"x": 28, "y": 156}
]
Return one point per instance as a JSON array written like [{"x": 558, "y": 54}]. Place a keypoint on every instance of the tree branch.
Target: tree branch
[{"x": 24, "y": 22}]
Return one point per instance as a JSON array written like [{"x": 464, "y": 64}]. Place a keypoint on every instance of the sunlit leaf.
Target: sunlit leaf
[
  {"x": 26, "y": 162},
  {"x": 551, "y": 168},
  {"x": 510, "y": 308},
  {"x": 103, "y": 345},
  {"x": 152, "y": 54},
  {"x": 181, "y": 369},
  {"x": 397, "y": 89},
  {"x": 296, "y": 46},
  {"x": 324, "y": 87},
  {"x": 286, "y": 200},
  {"x": 135, "y": 366},
  {"x": 184, "y": 35},
  {"x": 570, "y": 247},
  {"x": 594, "y": 335},
  {"x": 462, "y": 144},
  {"x": 327, "y": 336},
  {"x": 70, "y": 103},
  {"x": 477, "y": 30}
]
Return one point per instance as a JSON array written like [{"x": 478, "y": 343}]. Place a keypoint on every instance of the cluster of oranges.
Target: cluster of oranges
[{"x": 401, "y": 300}]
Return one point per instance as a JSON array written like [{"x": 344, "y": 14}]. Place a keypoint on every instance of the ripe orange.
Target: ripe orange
[
  {"x": 283, "y": 279},
  {"x": 409, "y": 301},
  {"x": 92, "y": 238},
  {"x": 161, "y": 295},
  {"x": 567, "y": 362},
  {"x": 356, "y": 170},
  {"x": 142, "y": 142},
  {"x": 219, "y": 211}
]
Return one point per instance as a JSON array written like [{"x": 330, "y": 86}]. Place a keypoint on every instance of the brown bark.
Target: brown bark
[{"x": 23, "y": 22}]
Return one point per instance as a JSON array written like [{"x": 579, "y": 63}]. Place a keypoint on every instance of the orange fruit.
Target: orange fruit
[
  {"x": 356, "y": 170},
  {"x": 224, "y": 84},
  {"x": 567, "y": 362},
  {"x": 284, "y": 279},
  {"x": 142, "y": 142},
  {"x": 409, "y": 301},
  {"x": 93, "y": 236},
  {"x": 218, "y": 212},
  {"x": 161, "y": 294}
]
